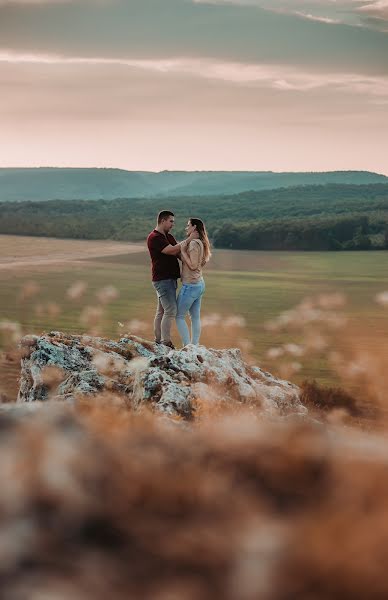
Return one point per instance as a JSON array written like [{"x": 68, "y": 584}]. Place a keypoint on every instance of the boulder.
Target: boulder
[{"x": 58, "y": 366}]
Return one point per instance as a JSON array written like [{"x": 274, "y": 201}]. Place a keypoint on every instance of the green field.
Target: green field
[{"x": 253, "y": 286}]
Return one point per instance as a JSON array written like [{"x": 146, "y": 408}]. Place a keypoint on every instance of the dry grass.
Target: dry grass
[
  {"x": 103, "y": 503},
  {"x": 98, "y": 501},
  {"x": 252, "y": 287},
  {"x": 320, "y": 398}
]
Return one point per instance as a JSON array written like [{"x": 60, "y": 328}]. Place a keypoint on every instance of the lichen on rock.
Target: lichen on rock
[{"x": 171, "y": 381}]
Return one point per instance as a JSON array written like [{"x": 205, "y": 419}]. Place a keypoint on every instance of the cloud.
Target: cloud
[
  {"x": 378, "y": 9},
  {"x": 163, "y": 116},
  {"x": 280, "y": 77},
  {"x": 306, "y": 9},
  {"x": 318, "y": 18},
  {"x": 315, "y": 38},
  {"x": 309, "y": 16}
]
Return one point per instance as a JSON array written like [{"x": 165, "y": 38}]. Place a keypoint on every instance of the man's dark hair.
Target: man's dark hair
[{"x": 164, "y": 214}]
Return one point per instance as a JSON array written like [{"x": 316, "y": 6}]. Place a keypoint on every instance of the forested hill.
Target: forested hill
[
  {"x": 328, "y": 217},
  {"x": 42, "y": 184}
]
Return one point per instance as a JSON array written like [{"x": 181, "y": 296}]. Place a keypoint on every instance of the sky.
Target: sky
[{"x": 297, "y": 85}]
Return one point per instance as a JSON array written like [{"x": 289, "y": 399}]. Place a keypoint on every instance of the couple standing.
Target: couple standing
[{"x": 194, "y": 253}]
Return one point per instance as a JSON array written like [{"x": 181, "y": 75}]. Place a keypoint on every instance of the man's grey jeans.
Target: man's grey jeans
[{"x": 166, "y": 308}]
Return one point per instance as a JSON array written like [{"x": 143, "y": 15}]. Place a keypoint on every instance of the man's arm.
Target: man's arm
[
  {"x": 176, "y": 250},
  {"x": 172, "y": 250}
]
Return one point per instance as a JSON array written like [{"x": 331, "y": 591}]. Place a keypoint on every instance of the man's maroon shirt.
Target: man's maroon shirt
[{"x": 163, "y": 265}]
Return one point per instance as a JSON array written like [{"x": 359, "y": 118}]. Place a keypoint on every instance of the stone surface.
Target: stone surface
[{"x": 56, "y": 366}]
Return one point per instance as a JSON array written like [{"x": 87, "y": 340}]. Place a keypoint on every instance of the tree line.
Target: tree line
[
  {"x": 336, "y": 233},
  {"x": 329, "y": 217}
]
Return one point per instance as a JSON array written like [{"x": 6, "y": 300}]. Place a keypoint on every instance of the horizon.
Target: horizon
[
  {"x": 195, "y": 85},
  {"x": 197, "y": 170}
]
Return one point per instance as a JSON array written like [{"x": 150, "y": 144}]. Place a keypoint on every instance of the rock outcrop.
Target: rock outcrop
[{"x": 57, "y": 366}]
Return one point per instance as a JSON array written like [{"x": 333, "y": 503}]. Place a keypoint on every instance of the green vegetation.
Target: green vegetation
[
  {"x": 328, "y": 217},
  {"x": 44, "y": 184},
  {"x": 334, "y": 233}
]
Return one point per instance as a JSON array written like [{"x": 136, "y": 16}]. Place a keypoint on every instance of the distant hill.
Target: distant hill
[{"x": 42, "y": 184}]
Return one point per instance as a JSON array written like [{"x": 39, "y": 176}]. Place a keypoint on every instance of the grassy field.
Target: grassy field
[{"x": 244, "y": 290}]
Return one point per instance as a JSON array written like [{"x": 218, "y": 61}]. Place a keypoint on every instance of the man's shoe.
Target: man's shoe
[{"x": 169, "y": 345}]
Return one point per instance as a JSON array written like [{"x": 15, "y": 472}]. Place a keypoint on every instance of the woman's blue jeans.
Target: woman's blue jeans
[{"x": 189, "y": 301}]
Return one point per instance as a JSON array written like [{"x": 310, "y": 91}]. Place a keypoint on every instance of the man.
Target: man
[{"x": 164, "y": 250}]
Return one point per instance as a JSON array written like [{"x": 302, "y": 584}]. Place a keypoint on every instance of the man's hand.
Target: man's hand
[{"x": 193, "y": 236}]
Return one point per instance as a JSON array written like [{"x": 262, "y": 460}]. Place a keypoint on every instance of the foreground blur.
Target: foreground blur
[{"x": 99, "y": 502}]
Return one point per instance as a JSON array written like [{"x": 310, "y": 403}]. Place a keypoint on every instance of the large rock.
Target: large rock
[{"x": 57, "y": 366}]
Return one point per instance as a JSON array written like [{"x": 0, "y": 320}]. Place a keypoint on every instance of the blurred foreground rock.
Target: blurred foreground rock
[{"x": 57, "y": 366}]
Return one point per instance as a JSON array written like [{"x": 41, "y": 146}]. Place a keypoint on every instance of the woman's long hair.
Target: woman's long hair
[{"x": 203, "y": 237}]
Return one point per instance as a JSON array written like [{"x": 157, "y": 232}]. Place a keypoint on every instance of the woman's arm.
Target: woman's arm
[{"x": 192, "y": 260}]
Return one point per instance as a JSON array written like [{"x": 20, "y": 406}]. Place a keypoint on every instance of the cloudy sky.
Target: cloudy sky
[{"x": 283, "y": 85}]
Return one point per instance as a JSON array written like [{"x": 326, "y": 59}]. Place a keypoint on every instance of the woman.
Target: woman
[{"x": 194, "y": 254}]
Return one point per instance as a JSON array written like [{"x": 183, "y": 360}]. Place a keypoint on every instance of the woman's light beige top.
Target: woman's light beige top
[{"x": 195, "y": 250}]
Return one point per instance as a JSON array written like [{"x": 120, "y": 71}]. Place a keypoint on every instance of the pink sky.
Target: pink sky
[{"x": 197, "y": 85}]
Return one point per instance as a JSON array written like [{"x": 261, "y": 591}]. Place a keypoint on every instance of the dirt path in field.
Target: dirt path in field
[{"x": 22, "y": 251}]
